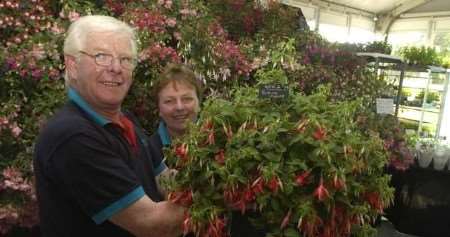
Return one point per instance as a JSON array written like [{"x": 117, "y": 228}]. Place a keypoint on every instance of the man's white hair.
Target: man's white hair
[{"x": 81, "y": 28}]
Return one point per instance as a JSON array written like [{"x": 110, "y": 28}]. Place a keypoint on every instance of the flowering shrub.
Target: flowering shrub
[
  {"x": 303, "y": 162},
  {"x": 22, "y": 213}
]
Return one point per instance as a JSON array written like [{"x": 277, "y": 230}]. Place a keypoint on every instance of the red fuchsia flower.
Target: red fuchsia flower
[
  {"x": 228, "y": 131},
  {"x": 321, "y": 192},
  {"x": 302, "y": 179},
  {"x": 310, "y": 226},
  {"x": 338, "y": 183},
  {"x": 207, "y": 125},
  {"x": 183, "y": 198},
  {"x": 182, "y": 151},
  {"x": 211, "y": 138},
  {"x": 302, "y": 124},
  {"x": 374, "y": 200},
  {"x": 249, "y": 195},
  {"x": 220, "y": 157},
  {"x": 320, "y": 134},
  {"x": 258, "y": 185},
  {"x": 273, "y": 184},
  {"x": 187, "y": 223},
  {"x": 217, "y": 228},
  {"x": 286, "y": 219}
]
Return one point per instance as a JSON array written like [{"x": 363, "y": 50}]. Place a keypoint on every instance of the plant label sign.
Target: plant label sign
[
  {"x": 274, "y": 91},
  {"x": 385, "y": 105}
]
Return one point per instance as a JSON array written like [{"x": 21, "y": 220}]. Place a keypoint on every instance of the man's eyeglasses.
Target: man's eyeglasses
[{"x": 103, "y": 59}]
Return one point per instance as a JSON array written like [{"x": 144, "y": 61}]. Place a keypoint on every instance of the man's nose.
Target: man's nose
[{"x": 115, "y": 65}]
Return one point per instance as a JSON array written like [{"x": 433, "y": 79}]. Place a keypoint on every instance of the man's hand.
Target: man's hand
[{"x": 161, "y": 180}]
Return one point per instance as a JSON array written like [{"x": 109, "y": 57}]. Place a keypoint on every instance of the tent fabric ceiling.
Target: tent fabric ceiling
[
  {"x": 433, "y": 6},
  {"x": 386, "y": 6},
  {"x": 374, "y": 6}
]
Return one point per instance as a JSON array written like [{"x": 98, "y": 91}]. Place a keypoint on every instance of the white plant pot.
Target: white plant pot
[
  {"x": 425, "y": 158},
  {"x": 440, "y": 160}
]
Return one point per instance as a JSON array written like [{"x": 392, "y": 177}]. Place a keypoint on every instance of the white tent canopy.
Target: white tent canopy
[{"x": 360, "y": 20}]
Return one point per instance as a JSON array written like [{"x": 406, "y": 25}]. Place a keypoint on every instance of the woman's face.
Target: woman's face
[{"x": 178, "y": 105}]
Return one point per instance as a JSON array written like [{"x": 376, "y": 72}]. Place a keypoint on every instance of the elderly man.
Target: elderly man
[{"x": 94, "y": 174}]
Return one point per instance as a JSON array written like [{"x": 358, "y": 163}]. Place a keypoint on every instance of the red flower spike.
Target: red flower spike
[
  {"x": 320, "y": 134},
  {"x": 286, "y": 219},
  {"x": 321, "y": 192},
  {"x": 220, "y": 157},
  {"x": 302, "y": 179}
]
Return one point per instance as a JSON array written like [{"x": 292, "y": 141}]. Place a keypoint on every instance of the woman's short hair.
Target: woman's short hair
[{"x": 177, "y": 73}]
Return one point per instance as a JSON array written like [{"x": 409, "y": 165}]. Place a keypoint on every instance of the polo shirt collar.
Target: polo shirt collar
[
  {"x": 78, "y": 100},
  {"x": 164, "y": 133}
]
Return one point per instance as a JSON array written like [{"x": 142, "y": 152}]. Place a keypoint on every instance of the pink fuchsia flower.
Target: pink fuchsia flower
[
  {"x": 56, "y": 29},
  {"x": 12, "y": 63},
  {"x": 321, "y": 192},
  {"x": 302, "y": 179},
  {"x": 168, "y": 4},
  {"x": 38, "y": 52},
  {"x": 16, "y": 131},
  {"x": 11, "y": 173},
  {"x": 286, "y": 219},
  {"x": 188, "y": 12},
  {"x": 73, "y": 16},
  {"x": 177, "y": 35},
  {"x": 37, "y": 74},
  {"x": 171, "y": 22}
]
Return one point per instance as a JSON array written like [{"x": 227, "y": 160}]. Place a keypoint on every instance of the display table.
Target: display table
[{"x": 422, "y": 201}]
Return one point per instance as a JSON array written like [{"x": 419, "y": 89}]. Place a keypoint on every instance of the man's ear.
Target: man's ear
[{"x": 71, "y": 66}]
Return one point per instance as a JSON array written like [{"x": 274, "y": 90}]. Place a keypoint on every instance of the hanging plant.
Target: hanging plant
[{"x": 302, "y": 161}]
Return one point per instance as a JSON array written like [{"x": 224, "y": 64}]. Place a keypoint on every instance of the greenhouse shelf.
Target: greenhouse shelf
[{"x": 418, "y": 79}]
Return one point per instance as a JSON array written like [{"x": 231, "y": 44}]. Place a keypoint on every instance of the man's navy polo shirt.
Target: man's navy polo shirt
[{"x": 86, "y": 172}]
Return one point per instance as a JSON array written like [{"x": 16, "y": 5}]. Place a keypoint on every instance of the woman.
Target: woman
[{"x": 178, "y": 95}]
